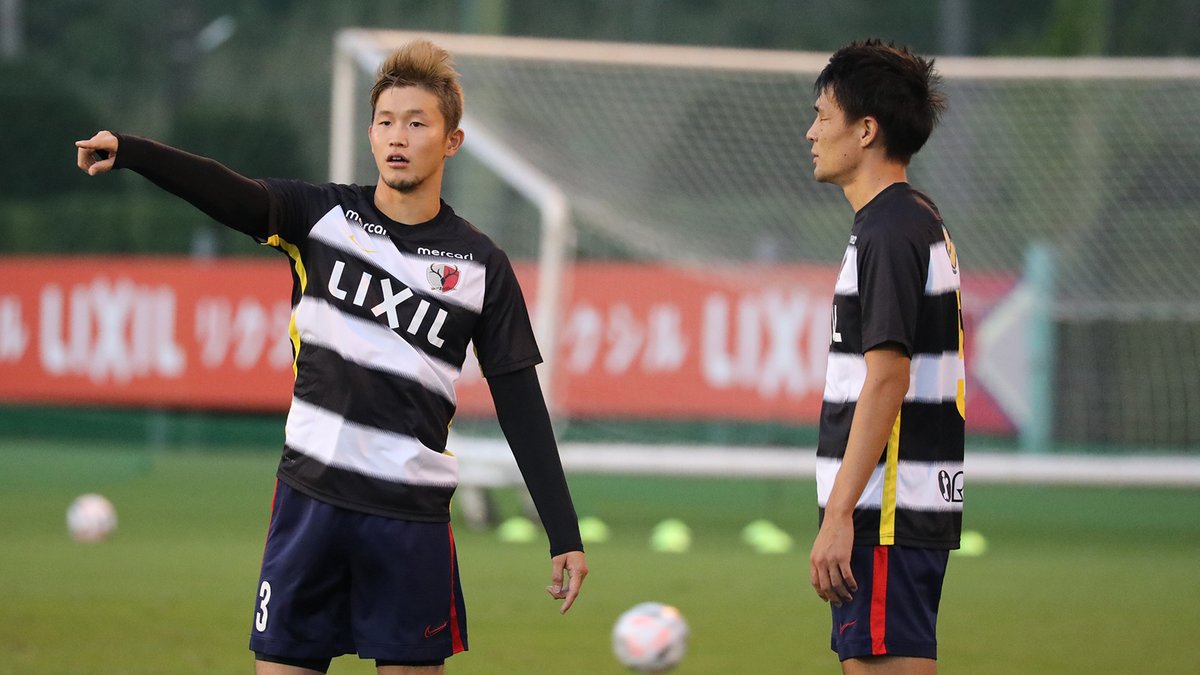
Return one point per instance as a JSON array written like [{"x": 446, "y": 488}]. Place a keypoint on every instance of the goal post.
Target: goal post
[{"x": 673, "y": 185}]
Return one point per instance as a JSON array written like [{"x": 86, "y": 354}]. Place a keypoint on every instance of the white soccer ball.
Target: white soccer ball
[
  {"x": 91, "y": 517},
  {"x": 650, "y": 637}
]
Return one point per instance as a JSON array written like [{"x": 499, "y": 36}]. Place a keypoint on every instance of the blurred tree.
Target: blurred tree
[
  {"x": 260, "y": 102},
  {"x": 259, "y": 145},
  {"x": 1079, "y": 27},
  {"x": 1156, "y": 28},
  {"x": 43, "y": 118}
]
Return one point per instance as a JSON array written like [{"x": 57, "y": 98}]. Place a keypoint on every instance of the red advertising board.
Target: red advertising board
[
  {"x": 750, "y": 342},
  {"x": 169, "y": 332},
  {"x": 636, "y": 341},
  {"x": 663, "y": 342}
]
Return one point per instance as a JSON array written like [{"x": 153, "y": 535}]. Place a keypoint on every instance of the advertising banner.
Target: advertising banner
[
  {"x": 166, "y": 332},
  {"x": 644, "y": 341}
]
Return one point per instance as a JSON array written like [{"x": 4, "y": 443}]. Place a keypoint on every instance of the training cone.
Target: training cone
[
  {"x": 517, "y": 530},
  {"x": 671, "y": 536},
  {"x": 592, "y": 530},
  {"x": 766, "y": 537},
  {"x": 972, "y": 544}
]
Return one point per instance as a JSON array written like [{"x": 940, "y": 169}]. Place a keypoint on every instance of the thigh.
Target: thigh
[
  {"x": 303, "y": 593},
  {"x": 894, "y": 612},
  {"x": 406, "y": 596}
]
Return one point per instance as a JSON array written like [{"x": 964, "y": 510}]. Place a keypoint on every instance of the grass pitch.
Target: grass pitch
[{"x": 1075, "y": 580}]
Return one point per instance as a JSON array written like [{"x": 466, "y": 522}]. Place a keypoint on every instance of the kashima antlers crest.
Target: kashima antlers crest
[{"x": 442, "y": 277}]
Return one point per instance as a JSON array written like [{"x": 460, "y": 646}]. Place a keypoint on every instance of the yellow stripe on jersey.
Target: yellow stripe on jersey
[
  {"x": 278, "y": 242},
  {"x": 887, "y": 515},
  {"x": 961, "y": 398}
]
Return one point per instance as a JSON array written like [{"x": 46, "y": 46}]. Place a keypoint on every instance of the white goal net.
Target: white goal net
[{"x": 687, "y": 170}]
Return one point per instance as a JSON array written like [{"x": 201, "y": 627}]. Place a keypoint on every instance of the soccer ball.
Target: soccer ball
[
  {"x": 91, "y": 517},
  {"x": 650, "y": 637}
]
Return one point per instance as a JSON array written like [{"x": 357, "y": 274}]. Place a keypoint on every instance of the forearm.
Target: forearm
[
  {"x": 874, "y": 418},
  {"x": 224, "y": 195},
  {"x": 523, "y": 417}
]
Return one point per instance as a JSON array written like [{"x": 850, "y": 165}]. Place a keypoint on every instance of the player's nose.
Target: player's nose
[{"x": 398, "y": 137}]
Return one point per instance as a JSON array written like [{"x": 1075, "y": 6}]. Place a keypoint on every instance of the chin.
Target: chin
[
  {"x": 825, "y": 176},
  {"x": 404, "y": 186}
]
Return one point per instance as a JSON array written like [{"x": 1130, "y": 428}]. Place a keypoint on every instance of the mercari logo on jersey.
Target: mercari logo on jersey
[
  {"x": 393, "y": 299},
  {"x": 421, "y": 250},
  {"x": 369, "y": 227}
]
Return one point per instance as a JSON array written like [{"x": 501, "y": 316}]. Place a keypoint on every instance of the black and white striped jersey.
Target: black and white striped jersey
[
  {"x": 382, "y": 315},
  {"x": 899, "y": 283}
]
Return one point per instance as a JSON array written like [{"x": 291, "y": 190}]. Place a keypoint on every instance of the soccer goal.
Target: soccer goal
[{"x": 679, "y": 254}]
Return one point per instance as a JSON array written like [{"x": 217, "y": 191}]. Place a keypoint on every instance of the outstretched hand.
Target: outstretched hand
[
  {"x": 574, "y": 564},
  {"x": 97, "y": 154}
]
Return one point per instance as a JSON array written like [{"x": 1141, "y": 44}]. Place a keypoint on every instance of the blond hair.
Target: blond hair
[{"x": 421, "y": 63}]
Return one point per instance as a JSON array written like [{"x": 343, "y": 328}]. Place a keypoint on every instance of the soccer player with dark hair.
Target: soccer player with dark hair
[
  {"x": 890, "y": 452},
  {"x": 389, "y": 288}
]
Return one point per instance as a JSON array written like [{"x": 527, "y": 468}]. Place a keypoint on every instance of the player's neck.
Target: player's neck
[
  {"x": 410, "y": 208},
  {"x": 871, "y": 180}
]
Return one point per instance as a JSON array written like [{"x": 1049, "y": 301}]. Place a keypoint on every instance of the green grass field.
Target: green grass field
[{"x": 1075, "y": 580}]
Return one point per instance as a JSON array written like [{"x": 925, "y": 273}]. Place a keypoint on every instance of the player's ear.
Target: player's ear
[
  {"x": 454, "y": 141},
  {"x": 868, "y": 131}
]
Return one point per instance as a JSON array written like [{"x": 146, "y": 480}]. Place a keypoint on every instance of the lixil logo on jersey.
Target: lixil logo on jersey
[{"x": 442, "y": 277}]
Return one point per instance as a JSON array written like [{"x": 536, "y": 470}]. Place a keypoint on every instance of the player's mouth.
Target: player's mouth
[{"x": 397, "y": 161}]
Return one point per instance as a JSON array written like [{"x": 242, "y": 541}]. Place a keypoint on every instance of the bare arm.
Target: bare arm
[{"x": 874, "y": 416}]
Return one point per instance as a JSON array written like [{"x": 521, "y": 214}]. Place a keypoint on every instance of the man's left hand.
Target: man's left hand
[{"x": 572, "y": 566}]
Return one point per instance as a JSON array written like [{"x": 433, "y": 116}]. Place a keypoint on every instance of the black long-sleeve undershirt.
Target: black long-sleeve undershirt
[
  {"x": 220, "y": 192},
  {"x": 244, "y": 205},
  {"x": 523, "y": 417}
]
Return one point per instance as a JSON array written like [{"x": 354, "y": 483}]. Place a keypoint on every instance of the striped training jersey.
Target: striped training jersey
[
  {"x": 899, "y": 283},
  {"x": 382, "y": 314}
]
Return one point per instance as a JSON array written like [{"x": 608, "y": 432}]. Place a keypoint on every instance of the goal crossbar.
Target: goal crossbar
[{"x": 366, "y": 43}]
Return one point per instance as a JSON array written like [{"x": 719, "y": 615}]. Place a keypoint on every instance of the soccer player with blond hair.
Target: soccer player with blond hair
[{"x": 389, "y": 288}]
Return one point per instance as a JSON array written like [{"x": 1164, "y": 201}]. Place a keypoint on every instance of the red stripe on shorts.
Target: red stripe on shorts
[
  {"x": 274, "y": 496},
  {"x": 879, "y": 602},
  {"x": 455, "y": 629}
]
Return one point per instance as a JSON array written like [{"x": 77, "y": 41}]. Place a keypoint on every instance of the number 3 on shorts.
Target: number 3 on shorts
[{"x": 260, "y": 617}]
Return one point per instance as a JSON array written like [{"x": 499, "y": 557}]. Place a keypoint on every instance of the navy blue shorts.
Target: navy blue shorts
[
  {"x": 336, "y": 581},
  {"x": 894, "y": 612}
]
